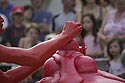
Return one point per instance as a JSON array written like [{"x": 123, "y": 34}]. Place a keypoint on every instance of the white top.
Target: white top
[{"x": 116, "y": 68}]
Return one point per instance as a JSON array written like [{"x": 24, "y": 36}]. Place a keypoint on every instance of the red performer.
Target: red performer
[
  {"x": 69, "y": 65},
  {"x": 34, "y": 57}
]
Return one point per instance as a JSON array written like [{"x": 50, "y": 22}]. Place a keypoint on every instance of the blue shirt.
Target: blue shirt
[{"x": 42, "y": 17}]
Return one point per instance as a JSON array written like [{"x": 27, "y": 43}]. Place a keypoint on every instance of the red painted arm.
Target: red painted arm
[
  {"x": 41, "y": 52},
  {"x": 17, "y": 74},
  {"x": 33, "y": 56}
]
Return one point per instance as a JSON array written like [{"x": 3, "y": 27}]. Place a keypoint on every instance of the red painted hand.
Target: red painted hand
[{"x": 72, "y": 28}]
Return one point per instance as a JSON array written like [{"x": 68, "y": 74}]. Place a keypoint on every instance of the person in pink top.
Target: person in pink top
[
  {"x": 90, "y": 36},
  {"x": 114, "y": 24}
]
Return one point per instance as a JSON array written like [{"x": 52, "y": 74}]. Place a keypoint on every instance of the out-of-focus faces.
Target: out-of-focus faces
[
  {"x": 32, "y": 33},
  {"x": 87, "y": 24},
  {"x": 28, "y": 14},
  {"x": 114, "y": 48}
]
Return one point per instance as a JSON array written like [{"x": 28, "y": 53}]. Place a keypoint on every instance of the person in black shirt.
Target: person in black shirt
[{"x": 14, "y": 31}]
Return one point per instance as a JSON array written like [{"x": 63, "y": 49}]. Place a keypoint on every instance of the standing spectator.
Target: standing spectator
[
  {"x": 91, "y": 7},
  {"x": 114, "y": 49},
  {"x": 41, "y": 16},
  {"x": 15, "y": 31},
  {"x": 68, "y": 14},
  {"x": 5, "y": 8},
  {"x": 113, "y": 24},
  {"x": 90, "y": 36}
]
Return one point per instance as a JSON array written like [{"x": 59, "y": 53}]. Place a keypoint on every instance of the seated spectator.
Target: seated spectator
[
  {"x": 68, "y": 14},
  {"x": 114, "y": 49},
  {"x": 5, "y": 8},
  {"x": 90, "y": 37},
  {"x": 15, "y": 31}
]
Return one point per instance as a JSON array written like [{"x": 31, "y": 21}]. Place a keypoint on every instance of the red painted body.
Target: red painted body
[
  {"x": 69, "y": 65},
  {"x": 33, "y": 58}
]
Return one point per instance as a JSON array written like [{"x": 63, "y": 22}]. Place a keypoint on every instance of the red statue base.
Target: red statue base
[{"x": 69, "y": 65}]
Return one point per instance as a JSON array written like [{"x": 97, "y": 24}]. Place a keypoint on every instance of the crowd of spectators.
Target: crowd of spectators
[{"x": 103, "y": 28}]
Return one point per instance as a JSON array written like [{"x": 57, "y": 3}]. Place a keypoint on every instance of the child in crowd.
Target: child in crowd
[
  {"x": 90, "y": 37},
  {"x": 31, "y": 36},
  {"x": 114, "y": 49}
]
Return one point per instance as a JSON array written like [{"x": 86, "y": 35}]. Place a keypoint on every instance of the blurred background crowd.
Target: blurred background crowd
[{"x": 29, "y": 22}]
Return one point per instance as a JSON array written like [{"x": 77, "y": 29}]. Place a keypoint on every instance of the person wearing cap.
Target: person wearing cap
[{"x": 15, "y": 30}]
